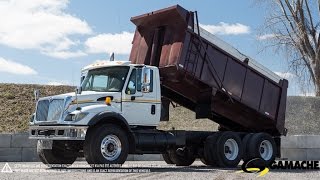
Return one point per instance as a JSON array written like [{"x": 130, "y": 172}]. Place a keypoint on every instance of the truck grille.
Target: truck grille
[{"x": 49, "y": 110}]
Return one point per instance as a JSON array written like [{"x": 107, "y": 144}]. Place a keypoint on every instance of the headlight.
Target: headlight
[{"x": 76, "y": 117}]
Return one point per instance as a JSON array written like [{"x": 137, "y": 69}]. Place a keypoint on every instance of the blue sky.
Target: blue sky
[{"x": 48, "y": 41}]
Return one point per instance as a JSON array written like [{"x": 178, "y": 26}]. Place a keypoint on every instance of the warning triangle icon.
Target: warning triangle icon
[{"x": 6, "y": 169}]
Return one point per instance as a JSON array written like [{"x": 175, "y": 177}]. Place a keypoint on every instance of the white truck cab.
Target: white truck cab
[
  {"x": 124, "y": 83},
  {"x": 115, "y": 95},
  {"x": 130, "y": 92}
]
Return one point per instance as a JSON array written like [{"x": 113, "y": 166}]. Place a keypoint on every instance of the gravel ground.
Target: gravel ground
[{"x": 148, "y": 170}]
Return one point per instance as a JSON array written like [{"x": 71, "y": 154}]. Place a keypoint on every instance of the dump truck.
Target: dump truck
[{"x": 119, "y": 104}]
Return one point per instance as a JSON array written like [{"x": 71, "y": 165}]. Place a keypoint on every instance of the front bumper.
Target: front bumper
[{"x": 58, "y": 132}]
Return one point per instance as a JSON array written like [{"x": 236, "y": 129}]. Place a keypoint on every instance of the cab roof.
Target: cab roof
[{"x": 101, "y": 64}]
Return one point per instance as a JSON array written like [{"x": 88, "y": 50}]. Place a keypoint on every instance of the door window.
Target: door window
[
  {"x": 135, "y": 84},
  {"x": 132, "y": 84}
]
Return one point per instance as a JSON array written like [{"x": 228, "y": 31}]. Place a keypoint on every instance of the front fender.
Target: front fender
[{"x": 108, "y": 116}]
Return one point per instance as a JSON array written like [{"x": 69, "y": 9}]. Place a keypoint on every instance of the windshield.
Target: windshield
[{"x": 105, "y": 79}]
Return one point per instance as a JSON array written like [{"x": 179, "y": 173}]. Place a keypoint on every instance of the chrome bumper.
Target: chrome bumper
[{"x": 58, "y": 132}]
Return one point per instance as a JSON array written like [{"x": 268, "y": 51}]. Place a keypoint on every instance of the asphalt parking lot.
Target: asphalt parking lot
[{"x": 142, "y": 170}]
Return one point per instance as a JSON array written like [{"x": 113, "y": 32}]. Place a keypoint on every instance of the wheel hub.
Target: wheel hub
[
  {"x": 110, "y": 147},
  {"x": 261, "y": 150},
  {"x": 231, "y": 149},
  {"x": 266, "y": 150},
  {"x": 227, "y": 149}
]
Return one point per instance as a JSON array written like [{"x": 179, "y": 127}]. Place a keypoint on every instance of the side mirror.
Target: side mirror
[
  {"x": 145, "y": 79},
  {"x": 36, "y": 94},
  {"x": 79, "y": 90}
]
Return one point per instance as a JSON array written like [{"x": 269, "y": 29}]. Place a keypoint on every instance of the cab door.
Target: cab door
[{"x": 140, "y": 108}]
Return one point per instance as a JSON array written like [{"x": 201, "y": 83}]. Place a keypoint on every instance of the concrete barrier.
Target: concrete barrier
[
  {"x": 17, "y": 147},
  {"x": 301, "y": 147}
]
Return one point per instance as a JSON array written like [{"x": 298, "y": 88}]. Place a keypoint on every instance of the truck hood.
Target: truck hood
[
  {"x": 88, "y": 97},
  {"x": 89, "y": 101}
]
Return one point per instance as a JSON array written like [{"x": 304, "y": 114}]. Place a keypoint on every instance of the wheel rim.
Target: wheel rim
[
  {"x": 110, "y": 147},
  {"x": 231, "y": 149},
  {"x": 266, "y": 150}
]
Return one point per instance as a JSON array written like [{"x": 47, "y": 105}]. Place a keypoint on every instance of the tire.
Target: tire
[
  {"x": 106, "y": 144},
  {"x": 245, "y": 142},
  {"x": 261, "y": 145},
  {"x": 166, "y": 158},
  {"x": 210, "y": 150},
  {"x": 181, "y": 160},
  {"x": 226, "y": 141},
  {"x": 204, "y": 161},
  {"x": 58, "y": 156}
]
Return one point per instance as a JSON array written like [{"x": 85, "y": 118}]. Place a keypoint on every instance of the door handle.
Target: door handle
[{"x": 153, "y": 109}]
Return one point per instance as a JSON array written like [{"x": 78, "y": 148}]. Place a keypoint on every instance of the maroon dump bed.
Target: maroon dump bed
[{"x": 206, "y": 76}]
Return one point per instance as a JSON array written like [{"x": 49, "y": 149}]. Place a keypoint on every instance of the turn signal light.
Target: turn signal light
[{"x": 108, "y": 101}]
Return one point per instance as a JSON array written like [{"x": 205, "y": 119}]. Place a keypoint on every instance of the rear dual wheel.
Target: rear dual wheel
[
  {"x": 184, "y": 158},
  {"x": 223, "y": 149},
  {"x": 166, "y": 158},
  {"x": 260, "y": 145}
]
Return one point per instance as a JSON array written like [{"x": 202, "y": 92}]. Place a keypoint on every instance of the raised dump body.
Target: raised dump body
[{"x": 208, "y": 76}]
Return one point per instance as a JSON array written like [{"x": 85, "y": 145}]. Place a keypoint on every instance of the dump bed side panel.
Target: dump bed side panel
[{"x": 207, "y": 77}]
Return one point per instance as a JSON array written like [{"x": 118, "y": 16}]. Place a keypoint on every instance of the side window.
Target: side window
[
  {"x": 132, "y": 84},
  {"x": 135, "y": 83}
]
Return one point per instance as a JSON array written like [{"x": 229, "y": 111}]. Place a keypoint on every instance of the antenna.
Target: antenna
[{"x": 112, "y": 57}]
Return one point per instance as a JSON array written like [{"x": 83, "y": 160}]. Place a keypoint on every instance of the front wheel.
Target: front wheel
[{"x": 106, "y": 144}]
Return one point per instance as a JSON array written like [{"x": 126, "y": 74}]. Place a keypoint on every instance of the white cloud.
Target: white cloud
[
  {"x": 39, "y": 24},
  {"x": 266, "y": 37},
  {"x": 285, "y": 75},
  {"x": 65, "y": 54},
  {"x": 227, "y": 29},
  {"x": 119, "y": 43},
  {"x": 12, "y": 67}
]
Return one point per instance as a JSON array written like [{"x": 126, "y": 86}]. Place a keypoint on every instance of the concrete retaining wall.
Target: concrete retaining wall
[
  {"x": 301, "y": 147},
  {"x": 17, "y": 147}
]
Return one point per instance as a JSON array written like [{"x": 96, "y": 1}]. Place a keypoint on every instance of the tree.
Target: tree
[{"x": 293, "y": 26}]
